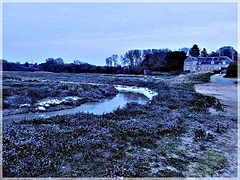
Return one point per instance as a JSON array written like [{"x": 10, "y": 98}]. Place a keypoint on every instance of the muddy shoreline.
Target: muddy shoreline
[
  {"x": 23, "y": 94},
  {"x": 174, "y": 135}
]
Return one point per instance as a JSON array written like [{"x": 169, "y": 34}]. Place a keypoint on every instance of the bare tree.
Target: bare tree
[
  {"x": 130, "y": 58},
  {"x": 137, "y": 57},
  {"x": 124, "y": 60},
  {"x": 145, "y": 52},
  {"x": 114, "y": 59},
  {"x": 107, "y": 61}
]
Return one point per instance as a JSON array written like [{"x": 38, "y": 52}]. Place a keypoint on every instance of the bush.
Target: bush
[{"x": 232, "y": 70}]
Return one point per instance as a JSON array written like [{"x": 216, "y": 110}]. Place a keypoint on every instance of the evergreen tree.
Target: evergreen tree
[
  {"x": 204, "y": 53},
  {"x": 26, "y": 64},
  {"x": 194, "y": 51}
]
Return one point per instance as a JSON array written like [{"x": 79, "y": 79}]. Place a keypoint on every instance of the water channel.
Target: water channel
[{"x": 105, "y": 106}]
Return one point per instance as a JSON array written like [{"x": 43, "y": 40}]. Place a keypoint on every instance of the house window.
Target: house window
[
  {"x": 194, "y": 68},
  {"x": 199, "y": 68},
  {"x": 206, "y": 68},
  {"x": 212, "y": 68},
  {"x": 219, "y": 68},
  {"x": 195, "y": 62},
  {"x": 187, "y": 68},
  {"x": 212, "y": 62},
  {"x": 224, "y": 62}
]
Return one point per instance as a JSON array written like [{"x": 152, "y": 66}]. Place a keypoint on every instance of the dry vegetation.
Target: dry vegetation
[{"x": 173, "y": 135}]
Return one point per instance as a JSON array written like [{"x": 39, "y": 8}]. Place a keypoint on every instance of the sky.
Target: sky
[{"x": 91, "y": 32}]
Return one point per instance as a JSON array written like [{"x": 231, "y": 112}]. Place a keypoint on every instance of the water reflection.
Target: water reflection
[{"x": 105, "y": 106}]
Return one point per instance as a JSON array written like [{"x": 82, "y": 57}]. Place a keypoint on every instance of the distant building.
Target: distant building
[{"x": 206, "y": 64}]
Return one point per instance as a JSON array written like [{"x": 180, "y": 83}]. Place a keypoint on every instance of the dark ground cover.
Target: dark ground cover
[{"x": 173, "y": 135}]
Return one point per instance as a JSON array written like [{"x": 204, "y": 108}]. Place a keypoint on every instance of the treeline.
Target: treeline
[
  {"x": 132, "y": 62},
  {"x": 223, "y": 51},
  {"x": 10, "y": 66},
  {"x": 58, "y": 65},
  {"x": 136, "y": 61},
  {"x": 164, "y": 60},
  {"x": 155, "y": 60}
]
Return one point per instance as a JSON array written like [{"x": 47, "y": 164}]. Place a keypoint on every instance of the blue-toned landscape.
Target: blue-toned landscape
[{"x": 119, "y": 89}]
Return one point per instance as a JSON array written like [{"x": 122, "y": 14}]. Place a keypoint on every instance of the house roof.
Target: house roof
[
  {"x": 208, "y": 60},
  {"x": 190, "y": 58}
]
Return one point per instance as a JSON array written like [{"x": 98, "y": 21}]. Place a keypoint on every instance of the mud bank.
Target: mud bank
[{"x": 21, "y": 95}]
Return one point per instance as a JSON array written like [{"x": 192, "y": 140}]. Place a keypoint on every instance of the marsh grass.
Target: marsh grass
[
  {"x": 133, "y": 141},
  {"x": 193, "y": 79},
  {"x": 211, "y": 161},
  {"x": 203, "y": 77}
]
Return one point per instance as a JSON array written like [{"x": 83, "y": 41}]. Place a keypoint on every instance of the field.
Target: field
[{"x": 173, "y": 135}]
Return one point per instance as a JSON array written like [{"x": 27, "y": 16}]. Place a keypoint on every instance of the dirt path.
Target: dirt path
[{"x": 224, "y": 89}]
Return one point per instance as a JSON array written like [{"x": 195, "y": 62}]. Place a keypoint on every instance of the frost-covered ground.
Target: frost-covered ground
[
  {"x": 43, "y": 104},
  {"x": 226, "y": 90},
  {"x": 173, "y": 135},
  {"x": 142, "y": 90},
  {"x": 36, "y": 92}
]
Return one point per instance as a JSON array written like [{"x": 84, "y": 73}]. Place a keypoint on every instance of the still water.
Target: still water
[{"x": 104, "y": 106}]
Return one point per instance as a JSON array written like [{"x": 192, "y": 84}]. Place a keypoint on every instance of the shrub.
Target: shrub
[{"x": 232, "y": 70}]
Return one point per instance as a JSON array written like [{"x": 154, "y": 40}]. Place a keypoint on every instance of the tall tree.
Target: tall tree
[
  {"x": 130, "y": 58},
  {"x": 174, "y": 61},
  {"x": 124, "y": 60},
  {"x": 155, "y": 60},
  {"x": 114, "y": 59},
  {"x": 145, "y": 52},
  {"x": 226, "y": 51},
  {"x": 59, "y": 61},
  {"x": 26, "y": 64},
  {"x": 54, "y": 65},
  {"x": 194, "y": 51},
  {"x": 109, "y": 61},
  {"x": 204, "y": 53},
  {"x": 137, "y": 57}
]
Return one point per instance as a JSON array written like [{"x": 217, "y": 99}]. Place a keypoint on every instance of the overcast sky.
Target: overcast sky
[{"x": 90, "y": 32}]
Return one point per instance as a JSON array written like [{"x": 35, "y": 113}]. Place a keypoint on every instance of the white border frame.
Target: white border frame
[{"x": 116, "y": 1}]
